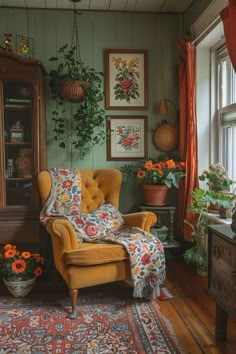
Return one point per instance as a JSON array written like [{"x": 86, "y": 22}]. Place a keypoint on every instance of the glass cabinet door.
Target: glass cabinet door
[{"x": 18, "y": 119}]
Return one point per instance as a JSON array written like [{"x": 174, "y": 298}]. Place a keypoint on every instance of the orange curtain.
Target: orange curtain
[
  {"x": 228, "y": 16},
  {"x": 187, "y": 133}
]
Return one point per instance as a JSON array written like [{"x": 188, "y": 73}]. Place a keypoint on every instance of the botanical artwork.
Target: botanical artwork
[
  {"x": 126, "y": 79},
  {"x": 126, "y": 137}
]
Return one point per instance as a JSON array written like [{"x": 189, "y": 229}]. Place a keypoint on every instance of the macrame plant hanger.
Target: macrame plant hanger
[{"x": 73, "y": 89}]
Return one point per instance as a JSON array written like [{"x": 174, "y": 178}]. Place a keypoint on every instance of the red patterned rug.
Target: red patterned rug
[{"x": 107, "y": 322}]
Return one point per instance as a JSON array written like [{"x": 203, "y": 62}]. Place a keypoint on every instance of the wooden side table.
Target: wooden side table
[
  {"x": 170, "y": 211},
  {"x": 222, "y": 275}
]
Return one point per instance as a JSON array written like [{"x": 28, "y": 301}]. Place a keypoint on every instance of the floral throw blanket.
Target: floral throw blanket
[{"x": 106, "y": 224}]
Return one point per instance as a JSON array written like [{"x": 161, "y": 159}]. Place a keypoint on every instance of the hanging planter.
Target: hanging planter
[
  {"x": 83, "y": 125},
  {"x": 73, "y": 90}
]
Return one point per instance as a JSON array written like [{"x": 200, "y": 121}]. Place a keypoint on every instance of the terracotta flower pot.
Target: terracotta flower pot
[
  {"x": 73, "y": 90},
  {"x": 155, "y": 194}
]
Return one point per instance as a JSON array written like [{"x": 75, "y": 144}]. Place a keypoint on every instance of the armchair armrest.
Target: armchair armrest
[
  {"x": 143, "y": 219},
  {"x": 63, "y": 240}
]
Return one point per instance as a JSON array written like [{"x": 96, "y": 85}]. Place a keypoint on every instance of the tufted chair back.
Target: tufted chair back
[
  {"x": 87, "y": 264},
  {"x": 99, "y": 186}
]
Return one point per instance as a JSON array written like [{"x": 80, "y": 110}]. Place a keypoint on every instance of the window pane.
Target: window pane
[
  {"x": 227, "y": 82},
  {"x": 229, "y": 150}
]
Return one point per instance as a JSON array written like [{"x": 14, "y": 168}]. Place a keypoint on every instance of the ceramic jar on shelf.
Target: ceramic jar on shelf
[{"x": 24, "y": 163}]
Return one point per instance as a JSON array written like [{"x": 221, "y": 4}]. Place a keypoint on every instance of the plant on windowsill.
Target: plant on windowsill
[{"x": 217, "y": 180}]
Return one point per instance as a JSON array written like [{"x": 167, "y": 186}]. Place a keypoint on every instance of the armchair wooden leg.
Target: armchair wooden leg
[{"x": 73, "y": 296}]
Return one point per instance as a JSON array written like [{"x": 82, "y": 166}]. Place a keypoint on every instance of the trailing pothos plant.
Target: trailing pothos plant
[{"x": 83, "y": 123}]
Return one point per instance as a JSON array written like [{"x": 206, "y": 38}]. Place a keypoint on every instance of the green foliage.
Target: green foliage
[
  {"x": 197, "y": 254},
  {"x": 20, "y": 265},
  {"x": 216, "y": 177},
  {"x": 84, "y": 126},
  {"x": 168, "y": 170}
]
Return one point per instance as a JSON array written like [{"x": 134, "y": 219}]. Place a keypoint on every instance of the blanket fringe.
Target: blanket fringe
[{"x": 149, "y": 289}]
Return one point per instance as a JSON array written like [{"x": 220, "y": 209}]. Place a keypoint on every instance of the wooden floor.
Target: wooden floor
[{"x": 192, "y": 312}]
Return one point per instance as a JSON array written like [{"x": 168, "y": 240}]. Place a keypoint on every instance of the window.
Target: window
[{"x": 226, "y": 111}]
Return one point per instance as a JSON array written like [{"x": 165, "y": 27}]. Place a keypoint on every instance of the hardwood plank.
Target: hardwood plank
[{"x": 182, "y": 332}]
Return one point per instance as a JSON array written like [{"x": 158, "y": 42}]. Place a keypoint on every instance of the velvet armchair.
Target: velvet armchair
[{"x": 87, "y": 264}]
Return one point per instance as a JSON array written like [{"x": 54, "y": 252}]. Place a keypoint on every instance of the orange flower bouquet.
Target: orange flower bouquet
[
  {"x": 20, "y": 265},
  {"x": 164, "y": 172}
]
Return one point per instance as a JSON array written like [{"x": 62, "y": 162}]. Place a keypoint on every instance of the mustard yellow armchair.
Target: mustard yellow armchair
[{"x": 86, "y": 264}]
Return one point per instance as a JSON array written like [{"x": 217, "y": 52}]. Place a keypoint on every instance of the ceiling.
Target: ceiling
[{"x": 154, "y": 6}]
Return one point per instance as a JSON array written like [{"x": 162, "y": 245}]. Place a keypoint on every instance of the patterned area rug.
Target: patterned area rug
[{"x": 106, "y": 323}]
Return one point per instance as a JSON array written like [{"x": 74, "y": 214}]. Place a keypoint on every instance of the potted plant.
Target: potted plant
[
  {"x": 157, "y": 177},
  {"x": 225, "y": 202},
  {"x": 216, "y": 177},
  {"x": 197, "y": 253},
  {"x": 217, "y": 180},
  {"x": 72, "y": 81},
  {"x": 20, "y": 269}
]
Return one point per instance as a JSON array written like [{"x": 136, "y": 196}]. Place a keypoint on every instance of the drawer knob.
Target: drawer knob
[
  {"x": 234, "y": 277},
  {"x": 216, "y": 252}
]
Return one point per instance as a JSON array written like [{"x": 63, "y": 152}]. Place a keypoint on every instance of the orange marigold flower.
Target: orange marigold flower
[
  {"x": 38, "y": 271},
  {"x": 8, "y": 246},
  {"x": 18, "y": 266},
  {"x": 170, "y": 163},
  {"x": 156, "y": 166},
  {"x": 141, "y": 174},
  {"x": 10, "y": 253},
  {"x": 26, "y": 255},
  {"x": 148, "y": 165}
]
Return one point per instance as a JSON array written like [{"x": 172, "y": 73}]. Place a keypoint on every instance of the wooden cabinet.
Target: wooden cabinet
[
  {"x": 222, "y": 275},
  {"x": 22, "y": 147}
]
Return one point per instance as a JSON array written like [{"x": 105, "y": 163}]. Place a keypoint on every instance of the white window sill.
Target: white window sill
[{"x": 216, "y": 219}]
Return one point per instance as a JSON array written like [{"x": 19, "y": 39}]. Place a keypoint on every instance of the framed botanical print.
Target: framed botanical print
[
  {"x": 126, "y": 137},
  {"x": 126, "y": 79}
]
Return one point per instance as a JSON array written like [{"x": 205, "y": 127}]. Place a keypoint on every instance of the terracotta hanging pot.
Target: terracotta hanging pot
[
  {"x": 73, "y": 90},
  {"x": 166, "y": 137},
  {"x": 155, "y": 194}
]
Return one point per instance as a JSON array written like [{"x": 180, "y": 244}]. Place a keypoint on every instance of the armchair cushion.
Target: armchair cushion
[
  {"x": 98, "y": 223},
  {"x": 92, "y": 254}
]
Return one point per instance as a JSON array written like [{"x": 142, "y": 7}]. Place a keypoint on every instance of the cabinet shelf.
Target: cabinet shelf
[
  {"x": 22, "y": 147},
  {"x": 17, "y": 107},
  {"x": 16, "y": 179},
  {"x": 21, "y": 143}
]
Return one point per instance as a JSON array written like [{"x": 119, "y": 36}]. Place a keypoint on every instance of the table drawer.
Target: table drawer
[{"x": 223, "y": 254}]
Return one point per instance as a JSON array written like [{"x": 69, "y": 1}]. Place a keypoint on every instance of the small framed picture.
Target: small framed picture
[
  {"x": 126, "y": 79},
  {"x": 126, "y": 137}
]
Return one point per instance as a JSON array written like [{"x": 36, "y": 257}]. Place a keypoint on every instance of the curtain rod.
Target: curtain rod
[{"x": 207, "y": 29}]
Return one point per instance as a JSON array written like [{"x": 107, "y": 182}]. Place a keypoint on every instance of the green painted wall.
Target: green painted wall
[{"x": 98, "y": 31}]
